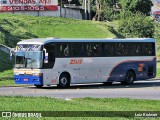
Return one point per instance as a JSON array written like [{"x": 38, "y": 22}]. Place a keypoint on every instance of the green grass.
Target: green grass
[
  {"x": 89, "y": 104},
  {"x": 19, "y": 103},
  {"x": 7, "y": 83},
  {"x": 158, "y": 70},
  {"x": 6, "y": 78},
  {"x": 13, "y": 28},
  {"x": 6, "y": 74}
]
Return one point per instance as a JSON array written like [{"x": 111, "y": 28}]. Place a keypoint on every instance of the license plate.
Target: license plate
[{"x": 25, "y": 79}]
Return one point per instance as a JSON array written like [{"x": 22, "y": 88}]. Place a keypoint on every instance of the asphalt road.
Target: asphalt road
[{"x": 141, "y": 90}]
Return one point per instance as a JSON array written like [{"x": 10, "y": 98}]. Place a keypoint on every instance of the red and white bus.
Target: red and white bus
[{"x": 54, "y": 61}]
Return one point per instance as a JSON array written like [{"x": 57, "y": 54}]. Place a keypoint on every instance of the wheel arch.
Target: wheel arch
[{"x": 67, "y": 73}]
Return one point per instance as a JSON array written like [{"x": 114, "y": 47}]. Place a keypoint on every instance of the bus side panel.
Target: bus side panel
[
  {"x": 143, "y": 70},
  {"x": 50, "y": 77},
  {"x": 100, "y": 69}
]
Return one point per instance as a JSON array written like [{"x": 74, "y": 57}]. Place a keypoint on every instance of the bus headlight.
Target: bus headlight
[{"x": 37, "y": 74}]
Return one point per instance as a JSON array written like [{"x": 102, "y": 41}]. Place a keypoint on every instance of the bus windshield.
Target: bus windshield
[{"x": 29, "y": 59}]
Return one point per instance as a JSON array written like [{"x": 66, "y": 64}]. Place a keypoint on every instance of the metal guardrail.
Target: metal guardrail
[{"x": 5, "y": 48}]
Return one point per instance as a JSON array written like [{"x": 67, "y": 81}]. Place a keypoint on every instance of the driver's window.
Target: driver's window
[{"x": 49, "y": 55}]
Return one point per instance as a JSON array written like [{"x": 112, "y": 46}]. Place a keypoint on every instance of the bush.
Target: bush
[
  {"x": 110, "y": 14},
  {"x": 135, "y": 25},
  {"x": 143, "y": 6}
]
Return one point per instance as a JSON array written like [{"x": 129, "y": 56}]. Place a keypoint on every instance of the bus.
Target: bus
[{"x": 62, "y": 62}]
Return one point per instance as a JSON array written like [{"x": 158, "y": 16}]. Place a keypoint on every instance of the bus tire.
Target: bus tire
[
  {"x": 130, "y": 78},
  {"x": 64, "y": 81},
  {"x": 38, "y": 86}
]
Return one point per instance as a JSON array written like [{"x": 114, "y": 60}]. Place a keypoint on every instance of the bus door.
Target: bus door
[{"x": 48, "y": 62}]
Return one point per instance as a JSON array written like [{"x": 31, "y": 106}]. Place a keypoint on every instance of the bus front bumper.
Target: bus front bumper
[{"x": 22, "y": 79}]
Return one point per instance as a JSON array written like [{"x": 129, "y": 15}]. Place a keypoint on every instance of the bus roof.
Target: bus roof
[{"x": 42, "y": 41}]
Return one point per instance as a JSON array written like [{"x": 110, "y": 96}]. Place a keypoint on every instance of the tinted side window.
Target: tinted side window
[
  {"x": 121, "y": 49},
  {"x": 77, "y": 49},
  {"x": 108, "y": 49},
  {"x": 135, "y": 49},
  {"x": 63, "y": 50},
  {"x": 94, "y": 49},
  {"x": 148, "y": 49}
]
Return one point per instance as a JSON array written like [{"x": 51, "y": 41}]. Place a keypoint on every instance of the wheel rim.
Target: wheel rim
[
  {"x": 130, "y": 78},
  {"x": 64, "y": 80}
]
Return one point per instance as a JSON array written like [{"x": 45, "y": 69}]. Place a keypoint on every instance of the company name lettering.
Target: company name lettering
[{"x": 29, "y": 1}]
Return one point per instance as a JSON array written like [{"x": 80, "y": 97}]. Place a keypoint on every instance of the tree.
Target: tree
[
  {"x": 100, "y": 7},
  {"x": 135, "y": 25},
  {"x": 143, "y": 6}
]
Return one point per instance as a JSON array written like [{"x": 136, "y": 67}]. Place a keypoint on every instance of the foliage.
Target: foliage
[
  {"x": 135, "y": 25},
  {"x": 101, "y": 5},
  {"x": 5, "y": 63},
  {"x": 157, "y": 33},
  {"x": 105, "y": 9},
  {"x": 143, "y": 6},
  {"x": 110, "y": 14}
]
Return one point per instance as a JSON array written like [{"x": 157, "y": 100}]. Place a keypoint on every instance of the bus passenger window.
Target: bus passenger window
[
  {"x": 109, "y": 49},
  {"x": 135, "y": 49},
  {"x": 77, "y": 49},
  {"x": 89, "y": 49},
  {"x": 63, "y": 50},
  {"x": 148, "y": 49},
  {"x": 66, "y": 51},
  {"x": 97, "y": 49}
]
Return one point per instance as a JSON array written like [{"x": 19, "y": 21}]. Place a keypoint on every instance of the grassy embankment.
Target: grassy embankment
[
  {"x": 86, "y": 104},
  {"x": 17, "y": 27},
  {"x": 6, "y": 71}
]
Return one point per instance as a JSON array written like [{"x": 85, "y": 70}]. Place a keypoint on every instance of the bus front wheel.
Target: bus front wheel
[
  {"x": 64, "y": 81},
  {"x": 130, "y": 78}
]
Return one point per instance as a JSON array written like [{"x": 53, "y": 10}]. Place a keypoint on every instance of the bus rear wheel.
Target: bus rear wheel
[
  {"x": 64, "y": 81},
  {"x": 130, "y": 78}
]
